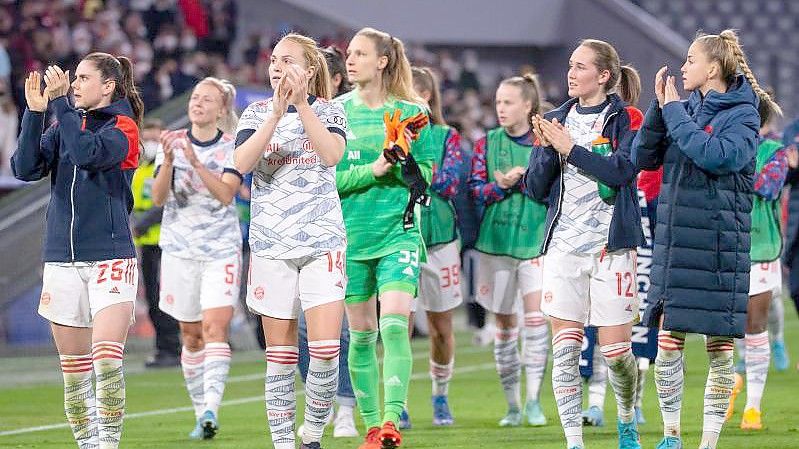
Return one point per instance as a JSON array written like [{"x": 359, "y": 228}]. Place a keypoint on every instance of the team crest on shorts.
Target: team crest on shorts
[
  {"x": 259, "y": 293},
  {"x": 548, "y": 297},
  {"x": 483, "y": 289},
  {"x": 45, "y": 299},
  {"x": 170, "y": 299}
]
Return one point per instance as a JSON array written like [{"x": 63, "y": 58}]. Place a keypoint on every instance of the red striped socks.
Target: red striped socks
[
  {"x": 193, "y": 365},
  {"x": 758, "y": 356},
  {"x": 280, "y": 395},
  {"x": 320, "y": 387},
  {"x": 535, "y": 352},
  {"x": 567, "y": 383},
  {"x": 441, "y": 374},
  {"x": 79, "y": 399},
  {"x": 720, "y": 379},
  {"x": 508, "y": 363},
  {"x": 215, "y": 370},
  {"x": 110, "y": 385},
  {"x": 623, "y": 375},
  {"x": 669, "y": 379}
]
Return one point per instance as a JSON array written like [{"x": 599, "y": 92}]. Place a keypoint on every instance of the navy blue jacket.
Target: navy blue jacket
[
  {"x": 90, "y": 158},
  {"x": 700, "y": 265},
  {"x": 543, "y": 179}
]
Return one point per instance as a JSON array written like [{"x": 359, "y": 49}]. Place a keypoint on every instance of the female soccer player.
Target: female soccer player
[
  {"x": 583, "y": 168},
  {"x": 383, "y": 255},
  {"x": 765, "y": 280},
  {"x": 440, "y": 287},
  {"x": 344, "y": 421},
  {"x": 90, "y": 276},
  {"x": 292, "y": 143},
  {"x": 509, "y": 244},
  {"x": 701, "y": 264},
  {"x": 201, "y": 243}
]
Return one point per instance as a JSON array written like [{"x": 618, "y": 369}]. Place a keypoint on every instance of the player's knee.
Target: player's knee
[
  {"x": 193, "y": 341},
  {"x": 214, "y": 331}
]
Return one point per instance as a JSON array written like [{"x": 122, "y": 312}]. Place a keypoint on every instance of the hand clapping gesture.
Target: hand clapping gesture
[
  {"x": 555, "y": 134},
  {"x": 670, "y": 93},
  {"x": 511, "y": 178},
  {"x": 298, "y": 85},
  {"x": 35, "y": 96},
  {"x": 280, "y": 98},
  {"x": 168, "y": 140},
  {"x": 57, "y": 82}
]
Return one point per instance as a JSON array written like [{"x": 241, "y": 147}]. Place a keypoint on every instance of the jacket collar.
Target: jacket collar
[
  {"x": 119, "y": 107},
  {"x": 616, "y": 104},
  {"x": 740, "y": 92}
]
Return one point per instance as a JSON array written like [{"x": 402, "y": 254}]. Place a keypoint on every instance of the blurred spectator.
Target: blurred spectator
[
  {"x": 146, "y": 232},
  {"x": 8, "y": 128},
  {"x": 155, "y": 33}
]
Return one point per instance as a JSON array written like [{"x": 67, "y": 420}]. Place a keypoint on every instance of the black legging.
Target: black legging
[
  {"x": 793, "y": 279},
  {"x": 167, "y": 340}
]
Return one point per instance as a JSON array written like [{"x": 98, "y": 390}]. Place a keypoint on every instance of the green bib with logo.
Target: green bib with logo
[
  {"x": 766, "y": 234},
  {"x": 438, "y": 220},
  {"x": 514, "y": 226}
]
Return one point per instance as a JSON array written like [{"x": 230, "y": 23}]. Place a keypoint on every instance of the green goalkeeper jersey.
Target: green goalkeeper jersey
[{"x": 373, "y": 207}]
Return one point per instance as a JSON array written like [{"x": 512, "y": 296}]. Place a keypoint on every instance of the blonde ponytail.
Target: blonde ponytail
[
  {"x": 397, "y": 77},
  {"x": 629, "y": 85},
  {"x": 425, "y": 80},
  {"x": 731, "y": 39},
  {"x": 725, "y": 49}
]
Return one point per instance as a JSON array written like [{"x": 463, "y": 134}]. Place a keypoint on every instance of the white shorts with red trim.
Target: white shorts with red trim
[
  {"x": 190, "y": 286},
  {"x": 502, "y": 281},
  {"x": 596, "y": 289},
  {"x": 281, "y": 288},
  {"x": 766, "y": 276},
  {"x": 73, "y": 293},
  {"x": 440, "y": 279}
]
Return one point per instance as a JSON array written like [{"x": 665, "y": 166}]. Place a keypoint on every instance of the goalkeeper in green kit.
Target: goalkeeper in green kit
[{"x": 381, "y": 180}]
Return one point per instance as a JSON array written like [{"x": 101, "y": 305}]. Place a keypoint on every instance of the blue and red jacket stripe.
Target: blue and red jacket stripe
[{"x": 90, "y": 158}]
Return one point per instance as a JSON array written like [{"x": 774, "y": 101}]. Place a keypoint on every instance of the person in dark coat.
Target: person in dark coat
[
  {"x": 790, "y": 255},
  {"x": 700, "y": 270}
]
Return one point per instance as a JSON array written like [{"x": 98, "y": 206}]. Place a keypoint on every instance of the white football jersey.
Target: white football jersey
[
  {"x": 195, "y": 224},
  {"x": 295, "y": 207}
]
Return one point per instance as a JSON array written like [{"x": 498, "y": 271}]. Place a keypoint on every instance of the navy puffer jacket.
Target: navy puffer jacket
[{"x": 700, "y": 265}]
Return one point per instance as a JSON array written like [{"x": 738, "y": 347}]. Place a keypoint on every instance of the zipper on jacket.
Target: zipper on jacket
[
  {"x": 72, "y": 208},
  {"x": 551, "y": 227},
  {"x": 605, "y": 125},
  {"x": 72, "y": 197}
]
